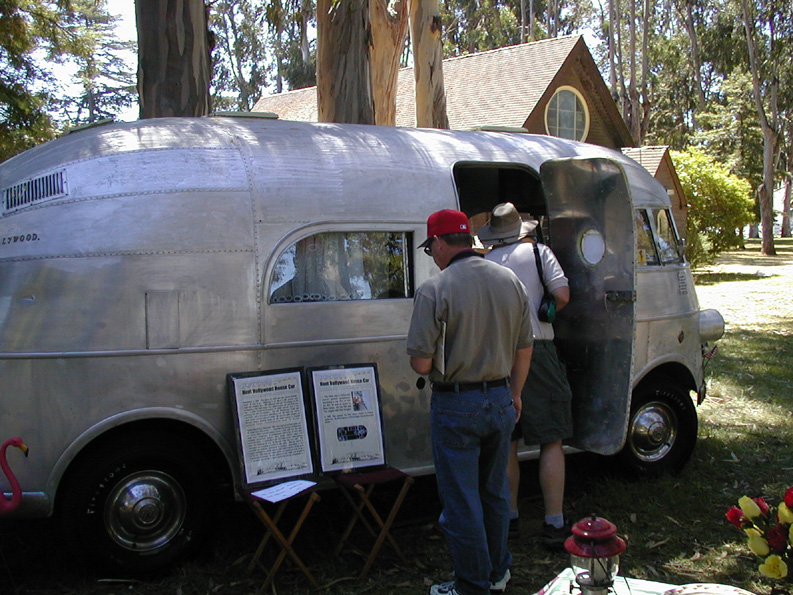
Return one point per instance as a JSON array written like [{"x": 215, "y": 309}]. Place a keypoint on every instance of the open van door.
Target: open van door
[{"x": 591, "y": 228}]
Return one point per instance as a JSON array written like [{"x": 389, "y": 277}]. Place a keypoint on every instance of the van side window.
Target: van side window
[
  {"x": 667, "y": 238},
  {"x": 645, "y": 247},
  {"x": 336, "y": 266}
]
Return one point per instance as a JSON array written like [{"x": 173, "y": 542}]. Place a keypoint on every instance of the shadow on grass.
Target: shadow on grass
[
  {"x": 759, "y": 362},
  {"x": 751, "y": 255},
  {"x": 712, "y": 278}
]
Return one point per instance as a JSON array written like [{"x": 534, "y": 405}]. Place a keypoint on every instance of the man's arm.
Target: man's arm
[
  {"x": 517, "y": 378},
  {"x": 421, "y": 365},
  {"x": 562, "y": 297}
]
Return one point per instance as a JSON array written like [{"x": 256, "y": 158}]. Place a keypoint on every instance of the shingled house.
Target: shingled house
[{"x": 548, "y": 87}]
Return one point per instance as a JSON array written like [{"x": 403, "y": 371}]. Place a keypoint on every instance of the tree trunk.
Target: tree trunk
[
  {"x": 613, "y": 24},
  {"x": 786, "y": 206},
  {"x": 344, "y": 83},
  {"x": 174, "y": 66},
  {"x": 644, "y": 124},
  {"x": 633, "y": 88},
  {"x": 770, "y": 134},
  {"x": 425, "y": 31},
  {"x": 389, "y": 30},
  {"x": 687, "y": 12},
  {"x": 531, "y": 20}
]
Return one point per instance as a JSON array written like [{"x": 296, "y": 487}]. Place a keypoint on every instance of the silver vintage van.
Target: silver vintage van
[{"x": 140, "y": 263}]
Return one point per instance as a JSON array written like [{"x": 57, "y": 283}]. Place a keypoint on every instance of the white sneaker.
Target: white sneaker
[
  {"x": 444, "y": 589},
  {"x": 501, "y": 586}
]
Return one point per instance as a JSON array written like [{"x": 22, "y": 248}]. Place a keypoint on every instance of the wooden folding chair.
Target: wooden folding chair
[
  {"x": 363, "y": 484},
  {"x": 285, "y": 544}
]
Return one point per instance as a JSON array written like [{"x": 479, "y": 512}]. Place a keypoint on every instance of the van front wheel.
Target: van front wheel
[
  {"x": 662, "y": 430},
  {"x": 138, "y": 505}
]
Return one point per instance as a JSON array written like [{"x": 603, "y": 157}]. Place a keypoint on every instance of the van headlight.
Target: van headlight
[{"x": 711, "y": 325}]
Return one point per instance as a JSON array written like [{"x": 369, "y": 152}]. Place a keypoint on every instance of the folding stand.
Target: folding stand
[
  {"x": 363, "y": 484},
  {"x": 273, "y": 531}
]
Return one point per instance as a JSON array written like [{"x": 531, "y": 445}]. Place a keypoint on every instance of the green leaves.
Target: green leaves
[{"x": 720, "y": 202}]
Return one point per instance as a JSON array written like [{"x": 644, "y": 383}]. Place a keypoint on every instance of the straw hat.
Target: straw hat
[{"x": 505, "y": 226}]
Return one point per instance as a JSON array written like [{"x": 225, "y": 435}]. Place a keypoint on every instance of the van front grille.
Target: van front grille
[{"x": 34, "y": 191}]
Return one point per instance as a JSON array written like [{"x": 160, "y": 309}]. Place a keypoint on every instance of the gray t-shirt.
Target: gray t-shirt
[{"x": 485, "y": 311}]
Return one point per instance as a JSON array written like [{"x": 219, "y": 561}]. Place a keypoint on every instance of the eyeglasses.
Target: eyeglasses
[{"x": 428, "y": 247}]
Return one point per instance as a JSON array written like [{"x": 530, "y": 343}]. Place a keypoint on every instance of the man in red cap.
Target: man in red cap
[{"x": 471, "y": 333}]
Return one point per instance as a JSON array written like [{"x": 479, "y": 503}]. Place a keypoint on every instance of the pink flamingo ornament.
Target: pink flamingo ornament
[{"x": 7, "y": 506}]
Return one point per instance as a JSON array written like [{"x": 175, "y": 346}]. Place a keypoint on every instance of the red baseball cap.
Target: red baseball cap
[{"x": 444, "y": 222}]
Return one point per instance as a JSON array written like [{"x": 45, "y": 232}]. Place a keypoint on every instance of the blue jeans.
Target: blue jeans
[{"x": 470, "y": 446}]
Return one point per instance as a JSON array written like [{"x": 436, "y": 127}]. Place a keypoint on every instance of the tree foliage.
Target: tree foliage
[
  {"x": 25, "y": 83},
  {"x": 240, "y": 60},
  {"x": 106, "y": 83},
  {"x": 720, "y": 204}
]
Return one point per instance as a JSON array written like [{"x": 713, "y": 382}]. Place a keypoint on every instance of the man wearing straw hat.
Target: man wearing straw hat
[
  {"x": 471, "y": 333},
  {"x": 547, "y": 418}
]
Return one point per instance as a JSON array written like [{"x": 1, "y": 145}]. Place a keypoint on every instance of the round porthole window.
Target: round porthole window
[
  {"x": 566, "y": 114},
  {"x": 592, "y": 246}
]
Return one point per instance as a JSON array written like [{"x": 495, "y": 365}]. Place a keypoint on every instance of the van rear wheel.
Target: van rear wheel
[
  {"x": 138, "y": 505},
  {"x": 662, "y": 431}
]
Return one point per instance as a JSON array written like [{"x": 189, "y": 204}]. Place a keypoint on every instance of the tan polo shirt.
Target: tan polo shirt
[{"x": 486, "y": 313}]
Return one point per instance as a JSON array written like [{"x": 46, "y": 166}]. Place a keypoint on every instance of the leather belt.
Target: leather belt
[{"x": 456, "y": 387}]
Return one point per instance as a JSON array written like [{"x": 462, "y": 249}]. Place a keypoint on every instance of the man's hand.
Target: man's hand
[
  {"x": 421, "y": 365},
  {"x": 517, "y": 402}
]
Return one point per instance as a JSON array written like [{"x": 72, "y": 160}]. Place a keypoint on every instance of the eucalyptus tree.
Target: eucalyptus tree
[
  {"x": 29, "y": 31},
  {"x": 290, "y": 23},
  {"x": 240, "y": 60},
  {"x": 730, "y": 131},
  {"x": 389, "y": 19},
  {"x": 174, "y": 65},
  {"x": 107, "y": 85},
  {"x": 344, "y": 83},
  {"x": 426, "y": 31},
  {"x": 478, "y": 25},
  {"x": 768, "y": 25}
]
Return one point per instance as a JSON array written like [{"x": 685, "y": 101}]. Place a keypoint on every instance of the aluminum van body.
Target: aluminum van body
[{"x": 140, "y": 263}]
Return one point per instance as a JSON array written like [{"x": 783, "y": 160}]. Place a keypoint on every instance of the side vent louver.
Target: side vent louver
[{"x": 35, "y": 191}]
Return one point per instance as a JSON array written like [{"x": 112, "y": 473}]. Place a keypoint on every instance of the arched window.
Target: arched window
[{"x": 566, "y": 115}]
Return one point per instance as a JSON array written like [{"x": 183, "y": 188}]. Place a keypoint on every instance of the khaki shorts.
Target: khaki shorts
[{"x": 546, "y": 415}]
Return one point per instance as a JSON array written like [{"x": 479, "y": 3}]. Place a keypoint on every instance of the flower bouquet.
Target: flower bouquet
[{"x": 769, "y": 532}]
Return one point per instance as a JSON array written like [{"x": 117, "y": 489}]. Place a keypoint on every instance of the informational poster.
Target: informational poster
[
  {"x": 272, "y": 425},
  {"x": 347, "y": 411}
]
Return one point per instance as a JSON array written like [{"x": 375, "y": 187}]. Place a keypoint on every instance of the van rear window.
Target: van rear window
[{"x": 336, "y": 266}]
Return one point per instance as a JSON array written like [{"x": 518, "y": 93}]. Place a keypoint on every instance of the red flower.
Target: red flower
[
  {"x": 789, "y": 498},
  {"x": 761, "y": 503},
  {"x": 777, "y": 538},
  {"x": 736, "y": 517}
]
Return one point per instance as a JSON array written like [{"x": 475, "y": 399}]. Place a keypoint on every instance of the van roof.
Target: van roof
[{"x": 328, "y": 147}]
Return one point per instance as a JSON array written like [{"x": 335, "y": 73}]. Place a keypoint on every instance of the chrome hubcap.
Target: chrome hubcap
[
  {"x": 145, "y": 511},
  {"x": 653, "y": 431}
]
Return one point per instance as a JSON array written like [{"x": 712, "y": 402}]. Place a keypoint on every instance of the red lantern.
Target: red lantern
[{"x": 594, "y": 550}]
